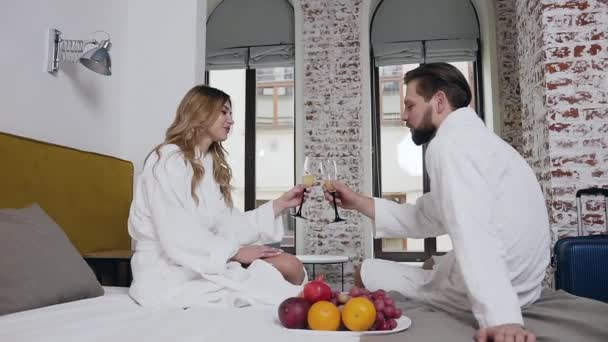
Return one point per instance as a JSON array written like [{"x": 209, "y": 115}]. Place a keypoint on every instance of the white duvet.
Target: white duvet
[{"x": 116, "y": 317}]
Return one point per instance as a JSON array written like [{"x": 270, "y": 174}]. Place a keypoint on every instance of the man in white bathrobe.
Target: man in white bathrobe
[{"x": 483, "y": 194}]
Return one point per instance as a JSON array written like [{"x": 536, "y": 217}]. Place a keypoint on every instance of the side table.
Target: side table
[
  {"x": 109, "y": 264},
  {"x": 314, "y": 260}
]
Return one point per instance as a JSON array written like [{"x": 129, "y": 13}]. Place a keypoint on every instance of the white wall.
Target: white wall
[
  {"x": 164, "y": 60},
  {"x": 75, "y": 107},
  {"x": 157, "y": 55}
]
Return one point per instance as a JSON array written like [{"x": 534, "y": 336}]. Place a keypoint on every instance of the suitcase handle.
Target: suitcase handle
[
  {"x": 592, "y": 191},
  {"x": 589, "y": 191}
]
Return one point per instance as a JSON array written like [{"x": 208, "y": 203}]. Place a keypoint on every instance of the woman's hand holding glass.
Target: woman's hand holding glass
[
  {"x": 290, "y": 199},
  {"x": 308, "y": 179}
]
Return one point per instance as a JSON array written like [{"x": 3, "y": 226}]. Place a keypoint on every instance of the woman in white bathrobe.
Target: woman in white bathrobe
[{"x": 192, "y": 246}]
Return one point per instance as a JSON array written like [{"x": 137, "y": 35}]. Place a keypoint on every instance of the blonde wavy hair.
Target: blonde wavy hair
[{"x": 197, "y": 111}]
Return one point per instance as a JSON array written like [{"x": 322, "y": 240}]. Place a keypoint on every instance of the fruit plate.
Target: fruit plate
[{"x": 403, "y": 323}]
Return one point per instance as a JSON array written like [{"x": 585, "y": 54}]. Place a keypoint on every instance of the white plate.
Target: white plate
[{"x": 402, "y": 324}]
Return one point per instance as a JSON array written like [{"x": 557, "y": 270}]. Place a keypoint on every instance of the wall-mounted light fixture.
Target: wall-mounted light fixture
[{"x": 72, "y": 51}]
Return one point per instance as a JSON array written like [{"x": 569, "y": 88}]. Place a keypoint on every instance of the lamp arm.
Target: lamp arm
[{"x": 90, "y": 41}]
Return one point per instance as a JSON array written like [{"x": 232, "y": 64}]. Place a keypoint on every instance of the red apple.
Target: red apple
[
  {"x": 317, "y": 290},
  {"x": 293, "y": 313}
]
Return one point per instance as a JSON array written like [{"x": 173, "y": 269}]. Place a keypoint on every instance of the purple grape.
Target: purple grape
[
  {"x": 379, "y": 304},
  {"x": 398, "y": 313},
  {"x": 355, "y": 292},
  {"x": 334, "y": 301},
  {"x": 392, "y": 323},
  {"x": 379, "y": 317},
  {"x": 389, "y": 301},
  {"x": 385, "y": 326},
  {"x": 377, "y": 325},
  {"x": 389, "y": 311}
]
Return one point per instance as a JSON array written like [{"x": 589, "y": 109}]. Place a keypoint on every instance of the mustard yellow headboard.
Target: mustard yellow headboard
[{"x": 87, "y": 194}]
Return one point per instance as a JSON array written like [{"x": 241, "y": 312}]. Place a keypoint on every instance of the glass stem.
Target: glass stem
[
  {"x": 300, "y": 208},
  {"x": 333, "y": 195}
]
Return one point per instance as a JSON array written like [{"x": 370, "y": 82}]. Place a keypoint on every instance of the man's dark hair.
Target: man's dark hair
[{"x": 433, "y": 77}]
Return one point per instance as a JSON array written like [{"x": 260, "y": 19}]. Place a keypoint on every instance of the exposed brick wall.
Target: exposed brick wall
[
  {"x": 535, "y": 135},
  {"x": 508, "y": 71},
  {"x": 333, "y": 123},
  {"x": 576, "y": 64},
  {"x": 562, "y": 61}
]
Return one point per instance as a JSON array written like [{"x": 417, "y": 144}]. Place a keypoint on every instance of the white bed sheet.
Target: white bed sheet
[{"x": 115, "y": 317}]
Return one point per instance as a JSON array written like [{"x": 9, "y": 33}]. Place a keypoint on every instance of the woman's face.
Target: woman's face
[{"x": 222, "y": 125}]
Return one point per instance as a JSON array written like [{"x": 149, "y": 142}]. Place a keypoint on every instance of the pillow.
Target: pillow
[{"x": 39, "y": 266}]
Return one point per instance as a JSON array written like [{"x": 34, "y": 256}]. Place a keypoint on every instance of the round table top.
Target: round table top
[{"x": 322, "y": 259}]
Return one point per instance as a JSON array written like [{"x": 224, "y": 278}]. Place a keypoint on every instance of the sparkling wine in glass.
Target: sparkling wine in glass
[
  {"x": 308, "y": 179},
  {"x": 329, "y": 169}
]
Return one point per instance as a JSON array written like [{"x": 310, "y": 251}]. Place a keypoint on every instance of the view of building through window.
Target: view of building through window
[
  {"x": 274, "y": 135},
  {"x": 233, "y": 83}
]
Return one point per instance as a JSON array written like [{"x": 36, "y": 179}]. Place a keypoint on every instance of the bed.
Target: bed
[
  {"x": 88, "y": 195},
  {"x": 115, "y": 317}
]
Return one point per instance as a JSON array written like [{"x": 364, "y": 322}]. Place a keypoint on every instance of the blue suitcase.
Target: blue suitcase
[{"x": 582, "y": 261}]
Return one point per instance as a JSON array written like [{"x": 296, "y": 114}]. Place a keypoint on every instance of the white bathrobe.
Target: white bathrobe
[
  {"x": 183, "y": 250},
  {"x": 486, "y": 197}
]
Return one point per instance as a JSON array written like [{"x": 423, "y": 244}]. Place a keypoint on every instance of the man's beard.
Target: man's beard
[{"x": 426, "y": 131}]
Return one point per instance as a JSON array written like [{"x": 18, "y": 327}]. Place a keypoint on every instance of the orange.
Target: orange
[
  {"x": 323, "y": 315},
  {"x": 359, "y": 314}
]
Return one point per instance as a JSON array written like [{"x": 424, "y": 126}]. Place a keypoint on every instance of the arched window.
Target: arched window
[
  {"x": 250, "y": 55},
  {"x": 405, "y": 34}
]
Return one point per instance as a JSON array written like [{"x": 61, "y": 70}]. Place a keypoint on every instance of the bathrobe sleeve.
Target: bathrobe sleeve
[
  {"x": 258, "y": 226},
  {"x": 465, "y": 201},
  {"x": 394, "y": 220},
  {"x": 184, "y": 234}
]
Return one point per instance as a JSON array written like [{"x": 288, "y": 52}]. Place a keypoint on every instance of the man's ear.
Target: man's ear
[{"x": 441, "y": 101}]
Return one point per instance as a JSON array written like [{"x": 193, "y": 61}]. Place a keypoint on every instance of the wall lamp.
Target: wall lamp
[{"x": 72, "y": 51}]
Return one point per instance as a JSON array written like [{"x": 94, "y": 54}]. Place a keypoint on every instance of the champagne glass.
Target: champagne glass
[
  {"x": 308, "y": 179},
  {"x": 329, "y": 169}
]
